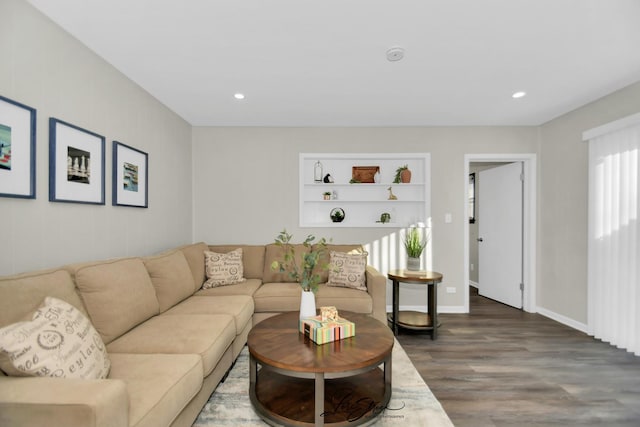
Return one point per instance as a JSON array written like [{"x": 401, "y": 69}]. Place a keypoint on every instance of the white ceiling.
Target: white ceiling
[{"x": 323, "y": 62}]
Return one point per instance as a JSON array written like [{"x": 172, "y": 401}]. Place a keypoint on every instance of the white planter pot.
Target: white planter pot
[
  {"x": 413, "y": 264},
  {"x": 307, "y": 304}
]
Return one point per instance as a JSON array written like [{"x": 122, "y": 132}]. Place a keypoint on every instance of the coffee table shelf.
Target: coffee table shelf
[{"x": 295, "y": 382}]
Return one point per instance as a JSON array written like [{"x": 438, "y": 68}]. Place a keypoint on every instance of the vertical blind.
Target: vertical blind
[{"x": 614, "y": 238}]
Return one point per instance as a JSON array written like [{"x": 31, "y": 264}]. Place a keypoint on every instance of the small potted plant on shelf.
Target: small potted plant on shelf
[
  {"x": 414, "y": 245},
  {"x": 301, "y": 268},
  {"x": 403, "y": 175},
  {"x": 337, "y": 215},
  {"x": 327, "y": 195}
]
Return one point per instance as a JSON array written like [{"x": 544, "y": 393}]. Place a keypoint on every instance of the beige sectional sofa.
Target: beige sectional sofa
[{"x": 169, "y": 341}]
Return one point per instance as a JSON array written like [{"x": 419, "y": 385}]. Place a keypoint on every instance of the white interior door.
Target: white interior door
[{"x": 500, "y": 234}]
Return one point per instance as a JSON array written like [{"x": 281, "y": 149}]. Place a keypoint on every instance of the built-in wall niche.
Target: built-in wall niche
[{"x": 363, "y": 186}]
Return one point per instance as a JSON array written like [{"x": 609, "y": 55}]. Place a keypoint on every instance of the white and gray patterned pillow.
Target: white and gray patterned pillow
[
  {"x": 348, "y": 270},
  {"x": 58, "y": 341},
  {"x": 223, "y": 269}
]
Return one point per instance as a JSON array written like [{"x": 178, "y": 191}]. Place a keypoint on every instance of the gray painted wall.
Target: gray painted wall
[
  {"x": 562, "y": 266},
  {"x": 245, "y": 179},
  {"x": 47, "y": 69},
  {"x": 246, "y": 184}
]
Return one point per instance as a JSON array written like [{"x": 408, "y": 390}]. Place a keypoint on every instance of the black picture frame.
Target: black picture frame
[
  {"x": 17, "y": 149},
  {"x": 76, "y": 164},
  {"x": 130, "y": 178}
]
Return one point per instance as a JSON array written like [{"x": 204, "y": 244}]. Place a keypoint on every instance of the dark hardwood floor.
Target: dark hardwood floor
[{"x": 499, "y": 366}]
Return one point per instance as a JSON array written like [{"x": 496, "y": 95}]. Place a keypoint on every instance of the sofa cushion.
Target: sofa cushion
[
  {"x": 344, "y": 299},
  {"x": 282, "y": 297},
  {"x": 325, "y": 258},
  {"x": 118, "y": 295},
  {"x": 223, "y": 269},
  {"x": 275, "y": 252},
  {"x": 194, "y": 254},
  {"x": 252, "y": 258},
  {"x": 347, "y": 270},
  {"x": 171, "y": 277},
  {"x": 248, "y": 287},
  {"x": 240, "y": 307},
  {"x": 159, "y": 385},
  {"x": 22, "y": 294},
  {"x": 277, "y": 297},
  {"x": 207, "y": 335},
  {"x": 58, "y": 341}
]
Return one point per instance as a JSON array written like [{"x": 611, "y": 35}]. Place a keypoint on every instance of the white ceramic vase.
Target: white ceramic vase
[
  {"x": 413, "y": 264},
  {"x": 307, "y": 304}
]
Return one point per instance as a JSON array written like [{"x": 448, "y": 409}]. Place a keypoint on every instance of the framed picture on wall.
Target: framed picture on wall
[
  {"x": 17, "y": 149},
  {"x": 76, "y": 164},
  {"x": 130, "y": 176}
]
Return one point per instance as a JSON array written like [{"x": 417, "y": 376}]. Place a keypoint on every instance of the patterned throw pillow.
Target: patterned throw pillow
[
  {"x": 223, "y": 269},
  {"x": 348, "y": 270},
  {"x": 59, "y": 341}
]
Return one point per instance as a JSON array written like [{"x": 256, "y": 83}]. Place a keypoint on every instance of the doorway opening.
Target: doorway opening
[{"x": 529, "y": 222}]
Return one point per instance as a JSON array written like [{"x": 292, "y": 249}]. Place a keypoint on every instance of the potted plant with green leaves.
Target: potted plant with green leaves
[
  {"x": 414, "y": 244},
  {"x": 403, "y": 175},
  {"x": 302, "y": 268}
]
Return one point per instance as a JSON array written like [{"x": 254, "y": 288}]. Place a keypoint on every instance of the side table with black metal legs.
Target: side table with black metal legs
[{"x": 413, "y": 319}]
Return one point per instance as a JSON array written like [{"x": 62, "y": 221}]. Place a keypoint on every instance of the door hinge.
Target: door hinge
[
  {"x": 522, "y": 176},
  {"x": 522, "y": 286}
]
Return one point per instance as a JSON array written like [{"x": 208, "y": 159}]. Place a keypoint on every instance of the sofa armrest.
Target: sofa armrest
[
  {"x": 40, "y": 401},
  {"x": 377, "y": 288}
]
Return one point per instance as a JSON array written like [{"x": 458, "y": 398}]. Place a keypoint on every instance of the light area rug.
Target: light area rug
[{"x": 411, "y": 404}]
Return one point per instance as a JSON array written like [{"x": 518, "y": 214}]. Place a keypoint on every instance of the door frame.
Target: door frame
[{"x": 529, "y": 222}]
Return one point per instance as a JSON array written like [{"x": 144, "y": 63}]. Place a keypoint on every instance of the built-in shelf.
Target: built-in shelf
[{"x": 364, "y": 203}]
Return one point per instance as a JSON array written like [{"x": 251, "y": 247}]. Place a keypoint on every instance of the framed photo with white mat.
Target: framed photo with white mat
[
  {"x": 130, "y": 176},
  {"x": 17, "y": 149},
  {"x": 76, "y": 164}
]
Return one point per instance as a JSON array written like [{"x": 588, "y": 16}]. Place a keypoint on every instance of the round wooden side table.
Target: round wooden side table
[{"x": 413, "y": 319}]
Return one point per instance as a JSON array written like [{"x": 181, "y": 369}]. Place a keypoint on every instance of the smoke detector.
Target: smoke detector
[{"x": 395, "y": 54}]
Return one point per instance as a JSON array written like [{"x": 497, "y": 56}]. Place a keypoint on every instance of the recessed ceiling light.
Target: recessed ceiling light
[
  {"x": 518, "y": 94},
  {"x": 238, "y": 96}
]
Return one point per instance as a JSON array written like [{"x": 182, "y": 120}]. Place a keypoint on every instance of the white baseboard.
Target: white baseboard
[
  {"x": 563, "y": 319},
  {"x": 474, "y": 284}
]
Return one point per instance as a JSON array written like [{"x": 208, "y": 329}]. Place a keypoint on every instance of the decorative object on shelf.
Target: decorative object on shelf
[
  {"x": 364, "y": 174},
  {"x": 76, "y": 164},
  {"x": 384, "y": 218},
  {"x": 317, "y": 172},
  {"x": 302, "y": 269},
  {"x": 391, "y": 195},
  {"x": 354, "y": 181},
  {"x": 337, "y": 215},
  {"x": 130, "y": 179},
  {"x": 326, "y": 195},
  {"x": 414, "y": 244},
  {"x": 17, "y": 150},
  {"x": 403, "y": 175},
  {"x": 376, "y": 177},
  {"x": 328, "y": 179},
  {"x": 334, "y": 195}
]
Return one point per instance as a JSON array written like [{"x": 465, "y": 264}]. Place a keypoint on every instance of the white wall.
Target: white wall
[
  {"x": 246, "y": 183},
  {"x": 47, "y": 69},
  {"x": 562, "y": 266}
]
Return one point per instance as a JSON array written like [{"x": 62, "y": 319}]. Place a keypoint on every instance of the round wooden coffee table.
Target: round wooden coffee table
[{"x": 300, "y": 383}]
